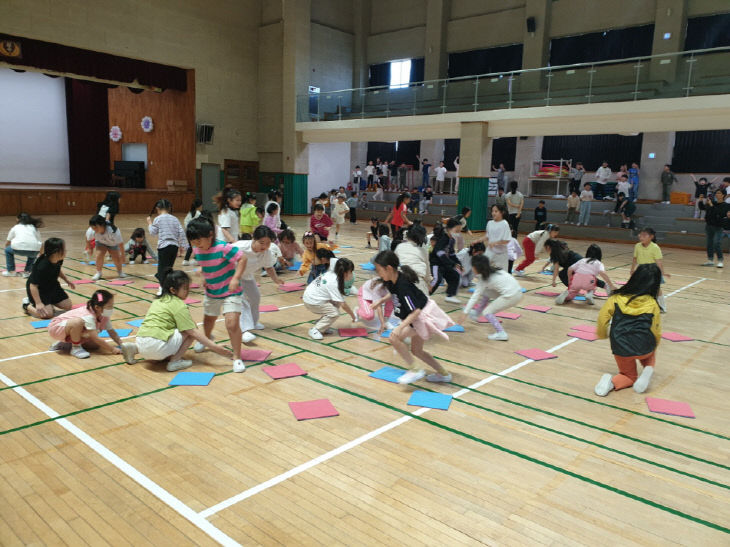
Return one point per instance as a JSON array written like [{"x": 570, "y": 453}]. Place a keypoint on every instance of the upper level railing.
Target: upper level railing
[{"x": 667, "y": 75}]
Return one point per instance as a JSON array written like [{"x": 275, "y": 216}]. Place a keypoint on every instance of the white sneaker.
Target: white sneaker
[
  {"x": 452, "y": 300},
  {"x": 131, "y": 262},
  {"x": 60, "y": 346},
  {"x": 314, "y": 334},
  {"x": 27, "y": 274},
  {"x": 96, "y": 276},
  {"x": 708, "y": 263},
  {"x": 10, "y": 274},
  {"x": 239, "y": 365},
  {"x": 577, "y": 223},
  {"x": 719, "y": 264},
  {"x": 411, "y": 376},
  {"x": 185, "y": 262},
  {"x": 560, "y": 299},
  {"x": 145, "y": 262},
  {"x": 259, "y": 326},
  {"x": 26, "y": 300},
  {"x": 642, "y": 382},
  {"x": 604, "y": 386},
  {"x": 79, "y": 352},
  {"x": 519, "y": 273},
  {"x": 438, "y": 378},
  {"x": 121, "y": 275},
  {"x": 589, "y": 298},
  {"x": 264, "y": 274},
  {"x": 501, "y": 335},
  {"x": 159, "y": 291},
  {"x": 180, "y": 364},
  {"x": 247, "y": 337},
  {"x": 198, "y": 347},
  {"x": 129, "y": 350},
  {"x": 662, "y": 304}
]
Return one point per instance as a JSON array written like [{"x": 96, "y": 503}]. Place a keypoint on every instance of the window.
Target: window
[{"x": 400, "y": 74}]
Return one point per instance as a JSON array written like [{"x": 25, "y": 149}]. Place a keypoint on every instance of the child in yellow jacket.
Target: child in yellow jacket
[
  {"x": 309, "y": 256},
  {"x": 635, "y": 330}
]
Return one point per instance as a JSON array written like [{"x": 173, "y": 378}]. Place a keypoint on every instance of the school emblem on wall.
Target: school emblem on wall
[{"x": 9, "y": 48}]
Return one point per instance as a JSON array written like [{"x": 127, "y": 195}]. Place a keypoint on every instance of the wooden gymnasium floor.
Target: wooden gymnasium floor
[{"x": 97, "y": 451}]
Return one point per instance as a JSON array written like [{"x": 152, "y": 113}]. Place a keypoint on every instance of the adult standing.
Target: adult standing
[
  {"x": 718, "y": 214},
  {"x": 440, "y": 177},
  {"x": 500, "y": 175},
  {"x": 426, "y": 167},
  {"x": 403, "y": 177},
  {"x": 603, "y": 173},
  {"x": 634, "y": 181},
  {"x": 668, "y": 178},
  {"x": 515, "y": 203},
  {"x": 576, "y": 176},
  {"x": 456, "y": 168}
]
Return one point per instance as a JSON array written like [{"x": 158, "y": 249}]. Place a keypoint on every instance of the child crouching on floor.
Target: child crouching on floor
[
  {"x": 168, "y": 329},
  {"x": 81, "y": 327},
  {"x": 635, "y": 331},
  {"x": 326, "y": 294}
]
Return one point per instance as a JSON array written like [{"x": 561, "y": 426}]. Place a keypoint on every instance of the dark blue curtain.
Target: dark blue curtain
[
  {"x": 702, "y": 152},
  {"x": 593, "y": 150},
  {"x": 380, "y": 75},
  {"x": 707, "y": 32},
  {"x": 407, "y": 152},
  {"x": 602, "y": 46},
  {"x": 484, "y": 61},
  {"x": 504, "y": 151},
  {"x": 383, "y": 150},
  {"x": 451, "y": 150},
  {"x": 417, "y": 70}
]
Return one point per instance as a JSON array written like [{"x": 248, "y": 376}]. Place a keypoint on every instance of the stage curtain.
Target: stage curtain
[
  {"x": 380, "y": 75},
  {"x": 451, "y": 150},
  {"x": 701, "y": 152},
  {"x": 84, "y": 62},
  {"x": 407, "y": 152},
  {"x": 383, "y": 150},
  {"x": 602, "y": 46},
  {"x": 592, "y": 150},
  {"x": 708, "y": 32},
  {"x": 87, "y": 119},
  {"x": 485, "y": 61},
  {"x": 504, "y": 151},
  {"x": 418, "y": 67}
]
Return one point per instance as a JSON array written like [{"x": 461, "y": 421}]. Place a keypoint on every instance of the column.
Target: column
[
  {"x": 661, "y": 145},
  {"x": 436, "y": 62},
  {"x": 536, "y": 52},
  {"x": 475, "y": 156},
  {"x": 360, "y": 72},
  {"x": 671, "y": 17},
  {"x": 527, "y": 152}
]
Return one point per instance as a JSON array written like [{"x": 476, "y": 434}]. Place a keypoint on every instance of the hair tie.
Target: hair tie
[
  {"x": 100, "y": 297},
  {"x": 306, "y": 234}
]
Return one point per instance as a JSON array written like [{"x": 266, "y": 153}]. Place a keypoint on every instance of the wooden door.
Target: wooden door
[{"x": 241, "y": 175}]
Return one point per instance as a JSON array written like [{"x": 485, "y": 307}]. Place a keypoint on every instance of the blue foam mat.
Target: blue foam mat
[
  {"x": 439, "y": 401},
  {"x": 192, "y": 379},
  {"x": 120, "y": 332},
  {"x": 389, "y": 374}
]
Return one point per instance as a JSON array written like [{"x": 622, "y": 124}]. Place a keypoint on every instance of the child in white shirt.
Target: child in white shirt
[
  {"x": 586, "y": 201},
  {"x": 339, "y": 210},
  {"x": 514, "y": 251}
]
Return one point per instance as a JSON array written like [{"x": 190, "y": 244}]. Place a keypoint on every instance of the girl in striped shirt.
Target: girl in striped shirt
[
  {"x": 222, "y": 269},
  {"x": 170, "y": 237}
]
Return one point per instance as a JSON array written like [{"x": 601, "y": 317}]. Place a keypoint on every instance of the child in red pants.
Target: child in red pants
[
  {"x": 636, "y": 330},
  {"x": 582, "y": 276}
]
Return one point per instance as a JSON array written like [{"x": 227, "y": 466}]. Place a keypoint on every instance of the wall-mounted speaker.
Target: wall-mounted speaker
[{"x": 531, "y": 25}]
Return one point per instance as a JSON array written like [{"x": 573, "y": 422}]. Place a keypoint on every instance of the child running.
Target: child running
[
  {"x": 108, "y": 239},
  {"x": 320, "y": 223},
  {"x": 196, "y": 209},
  {"x": 309, "y": 256},
  {"x": 81, "y": 326},
  {"x": 648, "y": 252},
  {"x": 222, "y": 268},
  {"x": 514, "y": 251},
  {"x": 326, "y": 295},
  {"x": 496, "y": 291},
  {"x": 43, "y": 291},
  {"x": 582, "y": 276},
  {"x": 339, "y": 210},
  {"x": 420, "y": 318},
  {"x": 256, "y": 255},
  {"x": 168, "y": 329},
  {"x": 138, "y": 246},
  {"x": 229, "y": 220},
  {"x": 635, "y": 332},
  {"x": 170, "y": 237}
]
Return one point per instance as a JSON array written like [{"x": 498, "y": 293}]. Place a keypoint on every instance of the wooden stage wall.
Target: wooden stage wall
[
  {"x": 171, "y": 144},
  {"x": 79, "y": 200}
]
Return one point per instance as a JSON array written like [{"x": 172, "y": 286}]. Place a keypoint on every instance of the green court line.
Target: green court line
[
  {"x": 61, "y": 376},
  {"x": 130, "y": 398},
  {"x": 530, "y": 459},
  {"x": 552, "y": 414}
]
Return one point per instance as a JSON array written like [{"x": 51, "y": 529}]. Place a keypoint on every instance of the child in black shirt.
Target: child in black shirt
[
  {"x": 540, "y": 215},
  {"x": 42, "y": 288}
]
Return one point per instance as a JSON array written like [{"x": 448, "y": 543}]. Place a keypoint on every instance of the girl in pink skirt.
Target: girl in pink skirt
[
  {"x": 420, "y": 318},
  {"x": 371, "y": 291},
  {"x": 81, "y": 326}
]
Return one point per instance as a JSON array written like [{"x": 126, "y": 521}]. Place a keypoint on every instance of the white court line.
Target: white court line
[
  {"x": 9, "y": 290},
  {"x": 352, "y": 444},
  {"x": 372, "y": 434},
  {"x": 144, "y": 481},
  {"x": 686, "y": 286}
]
